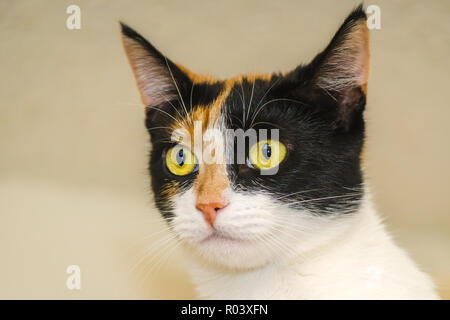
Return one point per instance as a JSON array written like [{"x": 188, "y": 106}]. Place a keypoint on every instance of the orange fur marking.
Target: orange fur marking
[
  {"x": 170, "y": 189},
  {"x": 365, "y": 39},
  {"x": 212, "y": 180},
  {"x": 208, "y": 115}
]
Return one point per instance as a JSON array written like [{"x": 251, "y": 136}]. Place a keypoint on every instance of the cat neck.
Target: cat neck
[{"x": 351, "y": 264}]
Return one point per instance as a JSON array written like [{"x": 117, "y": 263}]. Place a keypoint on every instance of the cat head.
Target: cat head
[{"x": 256, "y": 168}]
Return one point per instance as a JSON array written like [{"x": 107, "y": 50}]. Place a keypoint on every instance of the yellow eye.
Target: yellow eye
[
  {"x": 267, "y": 154},
  {"x": 180, "y": 160}
]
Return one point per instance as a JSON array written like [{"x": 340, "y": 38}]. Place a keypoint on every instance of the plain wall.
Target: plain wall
[{"x": 73, "y": 182}]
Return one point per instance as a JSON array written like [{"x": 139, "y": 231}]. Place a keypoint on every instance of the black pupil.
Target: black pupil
[
  {"x": 266, "y": 151},
  {"x": 180, "y": 157}
]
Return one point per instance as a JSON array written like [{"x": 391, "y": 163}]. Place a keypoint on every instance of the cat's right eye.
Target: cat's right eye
[
  {"x": 180, "y": 160},
  {"x": 266, "y": 154}
]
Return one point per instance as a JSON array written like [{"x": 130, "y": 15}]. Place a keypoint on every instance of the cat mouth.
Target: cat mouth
[{"x": 220, "y": 238}]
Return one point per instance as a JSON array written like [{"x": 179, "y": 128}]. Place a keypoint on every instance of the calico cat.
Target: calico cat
[{"x": 289, "y": 216}]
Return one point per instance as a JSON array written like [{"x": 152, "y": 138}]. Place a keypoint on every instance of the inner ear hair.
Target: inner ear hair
[
  {"x": 345, "y": 63},
  {"x": 340, "y": 73},
  {"x": 152, "y": 70}
]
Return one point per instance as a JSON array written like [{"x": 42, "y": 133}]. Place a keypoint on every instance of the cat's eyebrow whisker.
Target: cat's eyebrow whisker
[
  {"x": 267, "y": 91},
  {"x": 240, "y": 121},
  {"x": 178, "y": 90},
  {"x": 163, "y": 140},
  {"x": 191, "y": 110},
  {"x": 243, "y": 102},
  {"x": 268, "y": 123},
  {"x": 168, "y": 114},
  {"x": 243, "y": 105},
  {"x": 171, "y": 104},
  {"x": 251, "y": 99},
  {"x": 271, "y": 101},
  {"x": 190, "y": 96},
  {"x": 154, "y": 128},
  {"x": 156, "y": 108}
]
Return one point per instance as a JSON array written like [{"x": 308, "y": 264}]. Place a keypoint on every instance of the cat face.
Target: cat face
[{"x": 256, "y": 168}]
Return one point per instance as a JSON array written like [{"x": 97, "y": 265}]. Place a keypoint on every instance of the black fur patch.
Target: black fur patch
[
  {"x": 322, "y": 168},
  {"x": 322, "y": 130}
]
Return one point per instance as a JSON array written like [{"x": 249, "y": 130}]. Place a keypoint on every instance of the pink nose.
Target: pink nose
[{"x": 210, "y": 210}]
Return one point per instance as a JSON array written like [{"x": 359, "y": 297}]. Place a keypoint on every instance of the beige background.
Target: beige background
[{"x": 73, "y": 182}]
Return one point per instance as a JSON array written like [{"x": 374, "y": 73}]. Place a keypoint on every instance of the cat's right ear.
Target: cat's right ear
[
  {"x": 159, "y": 80},
  {"x": 336, "y": 80}
]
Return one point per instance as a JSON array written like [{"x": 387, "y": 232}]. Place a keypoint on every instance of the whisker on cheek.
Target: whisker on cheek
[{"x": 162, "y": 259}]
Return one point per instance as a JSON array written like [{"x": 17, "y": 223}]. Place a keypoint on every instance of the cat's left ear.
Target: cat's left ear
[
  {"x": 337, "y": 78},
  {"x": 160, "y": 81}
]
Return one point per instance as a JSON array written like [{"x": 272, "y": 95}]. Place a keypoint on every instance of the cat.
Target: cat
[{"x": 291, "y": 218}]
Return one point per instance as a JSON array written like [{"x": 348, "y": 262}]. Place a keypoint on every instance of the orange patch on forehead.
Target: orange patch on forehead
[
  {"x": 206, "y": 115},
  {"x": 187, "y": 126},
  {"x": 212, "y": 180},
  {"x": 209, "y": 114}
]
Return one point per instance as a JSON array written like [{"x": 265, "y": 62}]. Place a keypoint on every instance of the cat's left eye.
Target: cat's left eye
[
  {"x": 266, "y": 154},
  {"x": 180, "y": 160}
]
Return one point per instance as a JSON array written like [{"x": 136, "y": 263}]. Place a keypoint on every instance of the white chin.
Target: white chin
[{"x": 233, "y": 253}]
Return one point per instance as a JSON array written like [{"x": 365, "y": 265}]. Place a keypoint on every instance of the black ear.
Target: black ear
[
  {"x": 336, "y": 80},
  {"x": 159, "y": 80}
]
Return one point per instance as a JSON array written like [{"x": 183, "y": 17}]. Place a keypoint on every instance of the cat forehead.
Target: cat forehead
[{"x": 238, "y": 91}]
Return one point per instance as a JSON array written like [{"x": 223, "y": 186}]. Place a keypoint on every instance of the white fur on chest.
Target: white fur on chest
[{"x": 359, "y": 262}]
